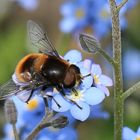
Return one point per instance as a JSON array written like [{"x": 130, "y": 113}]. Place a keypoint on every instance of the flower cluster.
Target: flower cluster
[
  {"x": 90, "y": 92},
  {"x": 129, "y": 134},
  {"x": 76, "y": 105},
  {"x": 32, "y": 114},
  {"x": 79, "y": 15}
]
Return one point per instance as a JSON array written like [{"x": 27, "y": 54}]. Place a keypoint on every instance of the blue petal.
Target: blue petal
[
  {"x": 29, "y": 4},
  {"x": 67, "y": 25},
  {"x": 128, "y": 134},
  {"x": 80, "y": 64},
  {"x": 96, "y": 69},
  {"x": 20, "y": 106},
  {"x": 64, "y": 105},
  {"x": 84, "y": 71},
  {"x": 94, "y": 96},
  {"x": 80, "y": 114},
  {"x": 73, "y": 56},
  {"x": 67, "y": 9},
  {"x": 87, "y": 82},
  {"x": 8, "y": 130},
  {"x": 87, "y": 64},
  {"x": 105, "y": 80},
  {"x": 104, "y": 89}
]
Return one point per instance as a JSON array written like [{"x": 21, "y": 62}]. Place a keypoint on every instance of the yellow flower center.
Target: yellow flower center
[
  {"x": 138, "y": 138},
  {"x": 79, "y": 13},
  {"x": 76, "y": 96},
  {"x": 32, "y": 104},
  {"x": 96, "y": 79},
  {"x": 88, "y": 30},
  {"x": 104, "y": 14}
]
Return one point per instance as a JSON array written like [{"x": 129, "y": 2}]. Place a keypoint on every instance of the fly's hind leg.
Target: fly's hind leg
[{"x": 45, "y": 98}]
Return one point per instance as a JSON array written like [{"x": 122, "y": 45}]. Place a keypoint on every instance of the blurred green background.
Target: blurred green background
[{"x": 14, "y": 45}]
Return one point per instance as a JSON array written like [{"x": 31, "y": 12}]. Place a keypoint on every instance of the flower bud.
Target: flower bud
[
  {"x": 10, "y": 111},
  {"x": 60, "y": 122}
]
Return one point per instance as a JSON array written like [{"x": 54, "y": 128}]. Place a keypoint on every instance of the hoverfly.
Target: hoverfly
[{"x": 41, "y": 70}]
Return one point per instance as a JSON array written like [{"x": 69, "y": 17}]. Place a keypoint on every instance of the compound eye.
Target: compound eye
[
  {"x": 69, "y": 80},
  {"x": 75, "y": 69}
]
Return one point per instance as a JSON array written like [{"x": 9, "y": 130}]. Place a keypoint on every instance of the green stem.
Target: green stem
[
  {"x": 33, "y": 134},
  {"x": 43, "y": 123},
  {"x": 122, "y": 4},
  {"x": 106, "y": 56},
  {"x": 131, "y": 90},
  {"x": 92, "y": 45},
  {"x": 118, "y": 82}
]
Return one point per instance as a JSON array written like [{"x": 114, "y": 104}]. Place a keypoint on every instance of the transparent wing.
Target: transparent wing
[
  {"x": 40, "y": 40},
  {"x": 8, "y": 89}
]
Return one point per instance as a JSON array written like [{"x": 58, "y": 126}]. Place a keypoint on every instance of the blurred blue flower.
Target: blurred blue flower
[
  {"x": 28, "y": 5},
  {"x": 67, "y": 133},
  {"x": 26, "y": 112},
  {"x": 98, "y": 113},
  {"x": 8, "y": 131},
  {"x": 30, "y": 115},
  {"x": 129, "y": 134},
  {"x": 79, "y": 15},
  {"x": 74, "y": 13},
  {"x": 131, "y": 73},
  {"x": 34, "y": 109}
]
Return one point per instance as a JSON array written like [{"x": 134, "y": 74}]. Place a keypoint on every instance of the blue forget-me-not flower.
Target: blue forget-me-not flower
[
  {"x": 80, "y": 15},
  {"x": 129, "y": 134},
  {"x": 76, "y": 104}
]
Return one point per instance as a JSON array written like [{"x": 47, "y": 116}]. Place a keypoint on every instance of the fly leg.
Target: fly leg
[
  {"x": 45, "y": 97},
  {"x": 61, "y": 90},
  {"x": 30, "y": 96}
]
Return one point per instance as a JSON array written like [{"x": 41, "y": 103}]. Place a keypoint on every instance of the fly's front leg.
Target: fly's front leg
[
  {"x": 30, "y": 96},
  {"x": 60, "y": 89}
]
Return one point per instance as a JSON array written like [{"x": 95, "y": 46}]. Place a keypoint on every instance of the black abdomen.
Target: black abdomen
[{"x": 54, "y": 70}]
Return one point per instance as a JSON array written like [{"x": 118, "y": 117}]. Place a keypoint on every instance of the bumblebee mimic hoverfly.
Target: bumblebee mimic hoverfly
[{"x": 43, "y": 69}]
